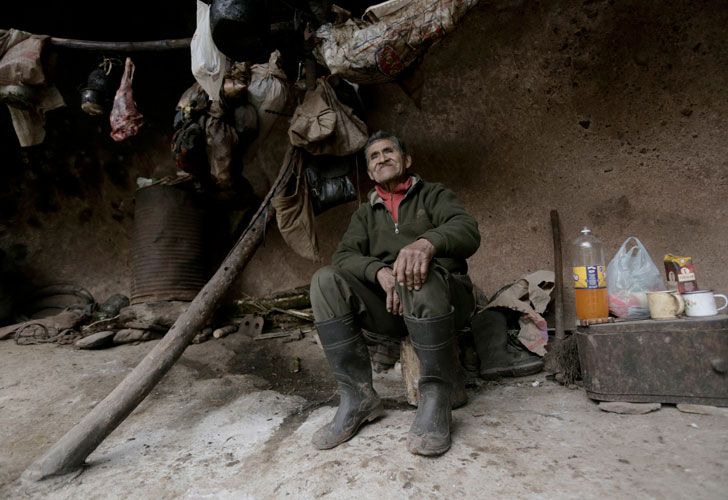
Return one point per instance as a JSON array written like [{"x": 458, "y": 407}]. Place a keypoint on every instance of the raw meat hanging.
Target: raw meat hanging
[{"x": 125, "y": 119}]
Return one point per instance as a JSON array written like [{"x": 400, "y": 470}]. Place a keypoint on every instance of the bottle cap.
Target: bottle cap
[{"x": 586, "y": 230}]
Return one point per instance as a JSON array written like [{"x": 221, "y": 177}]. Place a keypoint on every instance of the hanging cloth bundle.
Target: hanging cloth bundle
[
  {"x": 322, "y": 125},
  {"x": 294, "y": 213}
]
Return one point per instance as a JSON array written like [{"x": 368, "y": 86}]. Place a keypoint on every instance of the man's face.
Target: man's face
[{"x": 385, "y": 162}]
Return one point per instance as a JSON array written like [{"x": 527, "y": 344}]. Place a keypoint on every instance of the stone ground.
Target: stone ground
[{"x": 234, "y": 418}]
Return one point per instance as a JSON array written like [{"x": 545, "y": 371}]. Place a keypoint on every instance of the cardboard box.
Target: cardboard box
[{"x": 680, "y": 273}]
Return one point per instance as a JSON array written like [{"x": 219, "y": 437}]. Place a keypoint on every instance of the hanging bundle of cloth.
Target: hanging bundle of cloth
[
  {"x": 23, "y": 85},
  {"x": 323, "y": 125},
  {"x": 188, "y": 142},
  {"x": 294, "y": 213},
  {"x": 211, "y": 135},
  {"x": 390, "y": 38}
]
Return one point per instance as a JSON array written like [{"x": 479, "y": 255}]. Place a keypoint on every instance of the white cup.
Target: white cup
[{"x": 702, "y": 303}]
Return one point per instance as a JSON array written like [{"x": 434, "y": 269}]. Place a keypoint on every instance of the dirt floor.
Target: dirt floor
[
  {"x": 614, "y": 113},
  {"x": 234, "y": 419}
]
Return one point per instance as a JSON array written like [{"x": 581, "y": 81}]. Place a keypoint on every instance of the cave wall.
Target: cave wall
[{"x": 614, "y": 113}]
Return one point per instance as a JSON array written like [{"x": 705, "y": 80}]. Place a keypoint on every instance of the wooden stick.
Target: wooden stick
[
  {"x": 560, "y": 334},
  {"x": 295, "y": 314},
  {"x": 72, "y": 449},
  {"x": 150, "y": 45},
  {"x": 224, "y": 331},
  {"x": 141, "y": 46}
]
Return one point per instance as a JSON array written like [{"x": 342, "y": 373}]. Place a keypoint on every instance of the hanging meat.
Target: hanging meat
[{"x": 126, "y": 120}]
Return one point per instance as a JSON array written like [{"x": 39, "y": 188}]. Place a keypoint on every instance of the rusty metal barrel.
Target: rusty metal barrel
[{"x": 168, "y": 245}]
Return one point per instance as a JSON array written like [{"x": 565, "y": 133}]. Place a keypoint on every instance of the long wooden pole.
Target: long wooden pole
[
  {"x": 72, "y": 449},
  {"x": 560, "y": 334},
  {"x": 140, "y": 46}
]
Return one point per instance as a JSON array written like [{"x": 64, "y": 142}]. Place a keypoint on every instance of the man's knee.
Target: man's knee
[
  {"x": 431, "y": 300},
  {"x": 323, "y": 283}
]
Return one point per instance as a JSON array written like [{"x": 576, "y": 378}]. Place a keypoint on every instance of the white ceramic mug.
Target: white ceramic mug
[
  {"x": 702, "y": 303},
  {"x": 665, "y": 304}
]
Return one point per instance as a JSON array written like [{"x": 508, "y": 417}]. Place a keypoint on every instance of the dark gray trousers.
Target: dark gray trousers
[{"x": 336, "y": 293}]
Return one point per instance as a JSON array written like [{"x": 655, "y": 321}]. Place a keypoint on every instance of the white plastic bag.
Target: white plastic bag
[
  {"x": 630, "y": 275},
  {"x": 208, "y": 63}
]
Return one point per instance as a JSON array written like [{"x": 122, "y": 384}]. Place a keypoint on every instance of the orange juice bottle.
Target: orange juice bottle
[{"x": 590, "y": 284}]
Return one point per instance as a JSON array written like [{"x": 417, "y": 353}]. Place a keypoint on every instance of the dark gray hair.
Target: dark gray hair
[{"x": 381, "y": 135}]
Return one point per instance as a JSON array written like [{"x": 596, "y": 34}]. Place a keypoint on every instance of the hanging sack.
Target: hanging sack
[
  {"x": 313, "y": 120},
  {"x": 268, "y": 92},
  {"x": 630, "y": 275},
  {"x": 324, "y": 126},
  {"x": 189, "y": 147},
  {"x": 222, "y": 141},
  {"x": 329, "y": 182},
  {"x": 391, "y": 37},
  {"x": 294, "y": 214}
]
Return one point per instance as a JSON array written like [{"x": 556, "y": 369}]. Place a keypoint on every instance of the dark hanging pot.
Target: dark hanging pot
[{"x": 240, "y": 28}]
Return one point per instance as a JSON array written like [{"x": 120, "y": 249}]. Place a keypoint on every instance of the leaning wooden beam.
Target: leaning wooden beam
[{"x": 72, "y": 449}]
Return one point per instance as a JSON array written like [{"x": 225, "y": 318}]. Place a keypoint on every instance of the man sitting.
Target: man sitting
[{"x": 399, "y": 269}]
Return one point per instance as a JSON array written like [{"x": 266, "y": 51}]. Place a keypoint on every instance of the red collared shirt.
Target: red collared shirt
[{"x": 394, "y": 198}]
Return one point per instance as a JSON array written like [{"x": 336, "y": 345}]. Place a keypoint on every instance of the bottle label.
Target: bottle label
[{"x": 589, "y": 277}]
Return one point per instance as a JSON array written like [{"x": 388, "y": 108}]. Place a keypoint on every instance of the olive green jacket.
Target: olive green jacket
[{"x": 429, "y": 211}]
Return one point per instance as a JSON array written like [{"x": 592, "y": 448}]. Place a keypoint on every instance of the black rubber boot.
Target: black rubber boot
[
  {"x": 348, "y": 357},
  {"x": 498, "y": 356},
  {"x": 432, "y": 339},
  {"x": 459, "y": 396}
]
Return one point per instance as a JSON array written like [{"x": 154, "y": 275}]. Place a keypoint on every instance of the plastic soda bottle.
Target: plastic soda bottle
[{"x": 590, "y": 284}]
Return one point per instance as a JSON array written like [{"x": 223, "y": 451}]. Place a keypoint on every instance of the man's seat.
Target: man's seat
[{"x": 410, "y": 365}]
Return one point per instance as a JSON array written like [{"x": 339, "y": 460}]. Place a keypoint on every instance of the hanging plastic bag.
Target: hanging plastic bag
[
  {"x": 630, "y": 275},
  {"x": 208, "y": 63}
]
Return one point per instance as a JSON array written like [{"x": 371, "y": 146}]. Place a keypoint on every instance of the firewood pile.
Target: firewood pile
[{"x": 284, "y": 315}]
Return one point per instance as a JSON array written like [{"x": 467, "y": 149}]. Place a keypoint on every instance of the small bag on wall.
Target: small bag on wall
[{"x": 329, "y": 182}]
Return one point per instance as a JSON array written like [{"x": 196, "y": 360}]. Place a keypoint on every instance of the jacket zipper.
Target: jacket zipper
[{"x": 396, "y": 224}]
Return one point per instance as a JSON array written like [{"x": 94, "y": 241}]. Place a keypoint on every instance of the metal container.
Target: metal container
[
  {"x": 679, "y": 361},
  {"x": 168, "y": 247}
]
